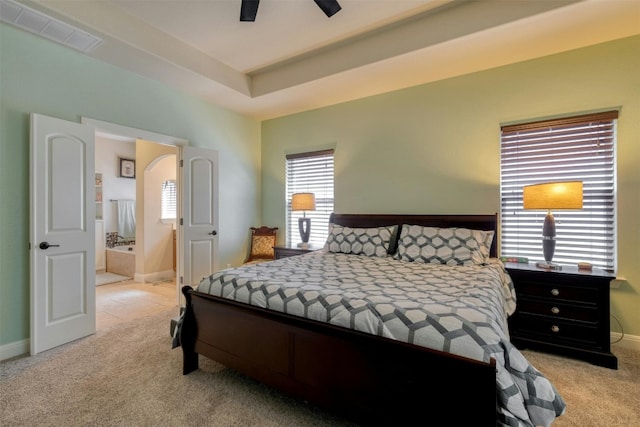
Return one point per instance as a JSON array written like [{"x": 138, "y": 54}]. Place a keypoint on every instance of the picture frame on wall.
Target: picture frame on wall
[{"x": 127, "y": 168}]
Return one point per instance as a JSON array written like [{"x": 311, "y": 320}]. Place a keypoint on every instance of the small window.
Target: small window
[
  {"x": 168, "y": 201},
  {"x": 310, "y": 173},
  {"x": 580, "y": 148}
]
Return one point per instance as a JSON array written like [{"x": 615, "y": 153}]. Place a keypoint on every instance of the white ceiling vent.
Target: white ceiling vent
[{"x": 38, "y": 23}]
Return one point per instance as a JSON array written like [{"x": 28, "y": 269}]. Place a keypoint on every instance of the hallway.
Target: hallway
[{"x": 120, "y": 302}]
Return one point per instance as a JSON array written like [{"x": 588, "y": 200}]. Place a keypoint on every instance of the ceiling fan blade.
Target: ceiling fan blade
[
  {"x": 329, "y": 7},
  {"x": 249, "y": 10}
]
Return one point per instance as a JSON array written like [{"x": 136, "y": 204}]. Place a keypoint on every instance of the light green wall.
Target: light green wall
[
  {"x": 435, "y": 148},
  {"x": 42, "y": 77}
]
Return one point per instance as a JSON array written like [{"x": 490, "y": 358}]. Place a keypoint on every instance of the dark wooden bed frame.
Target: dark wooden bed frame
[{"x": 365, "y": 378}]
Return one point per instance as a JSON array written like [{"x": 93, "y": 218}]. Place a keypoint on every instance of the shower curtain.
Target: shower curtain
[{"x": 127, "y": 219}]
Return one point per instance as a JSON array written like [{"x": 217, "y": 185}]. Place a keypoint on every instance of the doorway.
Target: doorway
[
  {"x": 123, "y": 142},
  {"x": 115, "y": 209},
  {"x": 135, "y": 240},
  {"x": 196, "y": 236}
]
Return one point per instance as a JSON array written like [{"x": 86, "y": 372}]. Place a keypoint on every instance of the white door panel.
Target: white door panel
[
  {"x": 202, "y": 256},
  {"x": 199, "y": 214},
  {"x": 62, "y": 232}
]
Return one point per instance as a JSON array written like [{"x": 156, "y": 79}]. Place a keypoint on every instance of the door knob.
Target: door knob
[
  {"x": 213, "y": 233},
  {"x": 46, "y": 245}
]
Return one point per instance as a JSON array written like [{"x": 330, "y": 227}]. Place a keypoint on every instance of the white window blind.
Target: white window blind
[
  {"x": 310, "y": 173},
  {"x": 580, "y": 148},
  {"x": 168, "y": 200}
]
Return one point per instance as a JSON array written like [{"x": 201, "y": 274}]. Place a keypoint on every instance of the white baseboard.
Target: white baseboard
[
  {"x": 631, "y": 342},
  {"x": 158, "y": 276},
  {"x": 14, "y": 349}
]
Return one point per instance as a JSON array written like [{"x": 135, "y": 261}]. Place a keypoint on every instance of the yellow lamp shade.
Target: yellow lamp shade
[
  {"x": 553, "y": 195},
  {"x": 303, "y": 202}
]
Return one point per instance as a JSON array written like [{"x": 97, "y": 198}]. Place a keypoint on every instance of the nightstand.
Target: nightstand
[
  {"x": 287, "y": 251},
  {"x": 563, "y": 311}
]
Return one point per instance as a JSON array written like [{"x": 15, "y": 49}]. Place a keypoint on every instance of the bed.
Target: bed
[{"x": 389, "y": 323}]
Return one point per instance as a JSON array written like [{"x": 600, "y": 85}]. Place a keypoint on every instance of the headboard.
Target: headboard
[{"x": 474, "y": 222}]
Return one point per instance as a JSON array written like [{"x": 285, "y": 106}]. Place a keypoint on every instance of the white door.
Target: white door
[
  {"x": 63, "y": 302},
  {"x": 198, "y": 224}
]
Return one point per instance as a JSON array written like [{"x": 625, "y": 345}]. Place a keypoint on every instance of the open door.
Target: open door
[
  {"x": 62, "y": 251},
  {"x": 198, "y": 223}
]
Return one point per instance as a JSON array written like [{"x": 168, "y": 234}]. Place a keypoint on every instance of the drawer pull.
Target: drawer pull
[
  {"x": 555, "y": 328},
  {"x": 555, "y": 292},
  {"x": 555, "y": 310}
]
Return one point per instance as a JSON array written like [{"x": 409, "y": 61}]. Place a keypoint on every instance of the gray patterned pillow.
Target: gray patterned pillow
[
  {"x": 450, "y": 246},
  {"x": 360, "y": 241}
]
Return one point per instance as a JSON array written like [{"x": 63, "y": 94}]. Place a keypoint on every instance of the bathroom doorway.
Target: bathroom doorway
[
  {"x": 197, "y": 174},
  {"x": 133, "y": 240},
  {"x": 115, "y": 208}
]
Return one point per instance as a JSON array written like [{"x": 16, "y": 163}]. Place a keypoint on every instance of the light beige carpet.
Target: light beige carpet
[
  {"x": 595, "y": 396},
  {"x": 129, "y": 376}
]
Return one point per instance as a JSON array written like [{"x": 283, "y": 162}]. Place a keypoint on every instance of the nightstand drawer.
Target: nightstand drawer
[
  {"x": 555, "y": 330},
  {"x": 558, "y": 292},
  {"x": 559, "y": 310}
]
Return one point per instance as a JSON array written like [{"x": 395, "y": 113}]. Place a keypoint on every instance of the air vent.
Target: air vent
[{"x": 38, "y": 23}]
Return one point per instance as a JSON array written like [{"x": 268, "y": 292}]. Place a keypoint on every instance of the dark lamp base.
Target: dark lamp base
[
  {"x": 548, "y": 266},
  {"x": 548, "y": 237},
  {"x": 304, "y": 226}
]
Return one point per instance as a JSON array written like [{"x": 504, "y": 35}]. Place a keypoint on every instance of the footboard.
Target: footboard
[{"x": 361, "y": 376}]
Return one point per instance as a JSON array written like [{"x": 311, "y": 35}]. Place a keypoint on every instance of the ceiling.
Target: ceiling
[{"x": 294, "y": 58}]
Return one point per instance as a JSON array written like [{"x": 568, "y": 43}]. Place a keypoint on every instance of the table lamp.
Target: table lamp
[
  {"x": 552, "y": 195},
  {"x": 303, "y": 202}
]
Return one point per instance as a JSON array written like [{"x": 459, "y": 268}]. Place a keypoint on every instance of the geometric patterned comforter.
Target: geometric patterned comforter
[{"x": 458, "y": 309}]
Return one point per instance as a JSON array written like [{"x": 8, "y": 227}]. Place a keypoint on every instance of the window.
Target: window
[
  {"x": 310, "y": 173},
  {"x": 580, "y": 148},
  {"x": 168, "y": 201}
]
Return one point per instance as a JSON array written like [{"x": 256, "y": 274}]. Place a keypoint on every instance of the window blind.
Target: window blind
[
  {"x": 579, "y": 148},
  {"x": 168, "y": 200},
  {"x": 310, "y": 173}
]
